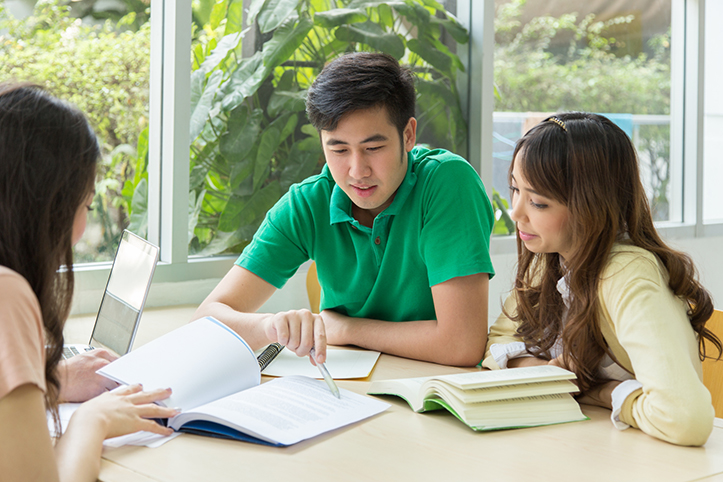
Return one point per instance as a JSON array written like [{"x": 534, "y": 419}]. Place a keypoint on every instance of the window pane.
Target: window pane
[
  {"x": 250, "y": 136},
  {"x": 96, "y": 56},
  {"x": 713, "y": 111},
  {"x": 611, "y": 58}
]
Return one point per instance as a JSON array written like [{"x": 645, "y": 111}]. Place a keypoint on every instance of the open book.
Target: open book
[
  {"x": 493, "y": 400},
  {"x": 215, "y": 380}
]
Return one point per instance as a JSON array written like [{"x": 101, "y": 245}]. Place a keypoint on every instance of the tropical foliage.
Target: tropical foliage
[{"x": 251, "y": 138}]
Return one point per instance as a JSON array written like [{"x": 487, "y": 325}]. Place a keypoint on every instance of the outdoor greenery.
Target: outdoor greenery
[
  {"x": 251, "y": 138},
  {"x": 103, "y": 69},
  {"x": 533, "y": 72},
  {"x": 113, "y": 11}
]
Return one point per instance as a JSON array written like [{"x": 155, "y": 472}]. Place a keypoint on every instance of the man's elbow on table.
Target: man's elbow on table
[{"x": 465, "y": 353}]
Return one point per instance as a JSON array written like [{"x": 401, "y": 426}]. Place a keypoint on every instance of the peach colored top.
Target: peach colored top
[{"x": 22, "y": 339}]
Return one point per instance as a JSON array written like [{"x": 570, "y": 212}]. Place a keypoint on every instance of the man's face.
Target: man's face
[{"x": 367, "y": 159}]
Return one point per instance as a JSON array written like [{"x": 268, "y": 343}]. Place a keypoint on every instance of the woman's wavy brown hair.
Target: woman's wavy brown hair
[
  {"x": 590, "y": 166},
  {"x": 48, "y": 155}
]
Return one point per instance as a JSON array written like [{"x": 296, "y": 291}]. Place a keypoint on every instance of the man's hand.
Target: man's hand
[
  {"x": 299, "y": 331},
  {"x": 78, "y": 380}
]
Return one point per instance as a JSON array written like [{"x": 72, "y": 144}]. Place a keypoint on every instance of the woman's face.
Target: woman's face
[
  {"x": 81, "y": 216},
  {"x": 542, "y": 223}
]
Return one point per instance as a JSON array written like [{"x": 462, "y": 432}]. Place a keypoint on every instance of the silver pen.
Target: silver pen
[{"x": 327, "y": 378}]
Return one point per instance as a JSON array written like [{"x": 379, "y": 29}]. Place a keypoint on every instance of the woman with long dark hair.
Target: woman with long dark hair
[
  {"x": 597, "y": 290},
  {"x": 48, "y": 156}
]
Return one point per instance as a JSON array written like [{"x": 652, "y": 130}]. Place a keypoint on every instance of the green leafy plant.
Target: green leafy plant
[
  {"x": 503, "y": 222},
  {"x": 250, "y": 136},
  {"x": 102, "y": 69}
]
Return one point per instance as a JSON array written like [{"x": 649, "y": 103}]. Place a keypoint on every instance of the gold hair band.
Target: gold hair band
[{"x": 558, "y": 122}]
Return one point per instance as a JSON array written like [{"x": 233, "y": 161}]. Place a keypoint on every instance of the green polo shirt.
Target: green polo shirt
[{"x": 437, "y": 228}]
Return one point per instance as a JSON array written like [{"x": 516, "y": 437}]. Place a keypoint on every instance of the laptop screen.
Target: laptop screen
[{"x": 125, "y": 294}]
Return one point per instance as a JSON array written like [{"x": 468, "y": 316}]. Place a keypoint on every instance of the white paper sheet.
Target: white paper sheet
[
  {"x": 341, "y": 363},
  {"x": 148, "y": 439},
  {"x": 286, "y": 410},
  {"x": 201, "y": 361}
]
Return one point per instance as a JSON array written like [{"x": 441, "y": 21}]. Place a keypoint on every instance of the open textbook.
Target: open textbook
[
  {"x": 493, "y": 400},
  {"x": 215, "y": 380}
]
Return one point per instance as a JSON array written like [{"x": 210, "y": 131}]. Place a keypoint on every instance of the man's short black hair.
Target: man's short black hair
[{"x": 360, "y": 81}]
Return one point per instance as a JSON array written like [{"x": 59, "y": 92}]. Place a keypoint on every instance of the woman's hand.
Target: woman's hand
[
  {"x": 601, "y": 395},
  {"x": 126, "y": 410},
  {"x": 79, "y": 381},
  {"x": 560, "y": 362},
  {"x": 526, "y": 361}
]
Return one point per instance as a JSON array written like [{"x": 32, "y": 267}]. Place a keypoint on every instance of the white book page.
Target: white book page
[
  {"x": 520, "y": 390},
  {"x": 410, "y": 389},
  {"x": 526, "y": 411},
  {"x": 149, "y": 439},
  {"x": 286, "y": 410},
  {"x": 342, "y": 364},
  {"x": 508, "y": 376},
  {"x": 201, "y": 362}
]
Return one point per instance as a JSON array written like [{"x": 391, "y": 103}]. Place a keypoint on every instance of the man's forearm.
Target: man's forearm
[
  {"x": 420, "y": 340},
  {"x": 248, "y": 325}
]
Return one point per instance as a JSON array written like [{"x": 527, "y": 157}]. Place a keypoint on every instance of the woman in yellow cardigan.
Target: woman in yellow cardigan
[{"x": 597, "y": 291}]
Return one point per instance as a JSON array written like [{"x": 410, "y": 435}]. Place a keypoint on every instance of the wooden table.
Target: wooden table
[{"x": 400, "y": 445}]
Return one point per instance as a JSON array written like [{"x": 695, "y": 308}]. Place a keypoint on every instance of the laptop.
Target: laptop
[{"x": 123, "y": 299}]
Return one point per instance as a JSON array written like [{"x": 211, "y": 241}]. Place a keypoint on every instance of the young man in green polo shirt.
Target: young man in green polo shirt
[{"x": 400, "y": 234}]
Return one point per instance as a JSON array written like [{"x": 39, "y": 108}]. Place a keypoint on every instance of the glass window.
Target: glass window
[
  {"x": 252, "y": 63},
  {"x": 611, "y": 58},
  {"x": 713, "y": 116},
  {"x": 95, "y": 55}
]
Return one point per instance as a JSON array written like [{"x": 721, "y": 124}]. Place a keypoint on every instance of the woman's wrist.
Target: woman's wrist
[
  {"x": 601, "y": 395},
  {"x": 90, "y": 419},
  {"x": 607, "y": 393},
  {"x": 525, "y": 361}
]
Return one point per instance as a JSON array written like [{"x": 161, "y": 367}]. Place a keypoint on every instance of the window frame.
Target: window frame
[{"x": 180, "y": 280}]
